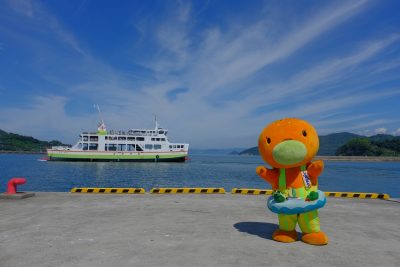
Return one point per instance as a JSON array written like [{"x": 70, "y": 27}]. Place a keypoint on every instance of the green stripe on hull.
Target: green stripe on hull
[{"x": 92, "y": 157}]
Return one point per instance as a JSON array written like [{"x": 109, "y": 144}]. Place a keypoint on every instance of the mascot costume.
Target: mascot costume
[{"x": 288, "y": 146}]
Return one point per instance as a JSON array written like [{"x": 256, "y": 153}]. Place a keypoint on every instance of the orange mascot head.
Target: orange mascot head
[{"x": 288, "y": 143}]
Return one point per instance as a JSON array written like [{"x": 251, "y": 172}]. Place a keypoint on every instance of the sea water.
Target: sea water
[{"x": 227, "y": 171}]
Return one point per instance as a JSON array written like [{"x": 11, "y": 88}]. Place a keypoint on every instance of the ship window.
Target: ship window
[
  {"x": 170, "y": 146},
  {"x": 148, "y": 146},
  {"x": 85, "y": 138},
  {"x": 153, "y": 139},
  {"x": 85, "y": 146},
  {"x": 157, "y": 146},
  {"x": 94, "y": 138},
  {"x": 157, "y": 139},
  {"x": 111, "y": 147},
  {"x": 121, "y": 147},
  {"x": 140, "y": 138},
  {"x": 160, "y": 132},
  {"x": 106, "y": 137},
  {"x": 131, "y": 138},
  {"x": 139, "y": 148},
  {"x": 162, "y": 139},
  {"x": 121, "y": 138},
  {"x": 131, "y": 147},
  {"x": 93, "y": 146}
]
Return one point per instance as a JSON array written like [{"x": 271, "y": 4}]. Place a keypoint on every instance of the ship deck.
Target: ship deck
[{"x": 64, "y": 229}]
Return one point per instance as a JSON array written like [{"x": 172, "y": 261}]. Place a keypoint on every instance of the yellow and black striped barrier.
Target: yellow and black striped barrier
[
  {"x": 109, "y": 190},
  {"x": 187, "y": 191},
  {"x": 245, "y": 191},
  {"x": 357, "y": 195}
]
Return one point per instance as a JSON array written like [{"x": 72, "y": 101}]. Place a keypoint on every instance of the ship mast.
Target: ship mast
[
  {"x": 102, "y": 126},
  {"x": 155, "y": 118}
]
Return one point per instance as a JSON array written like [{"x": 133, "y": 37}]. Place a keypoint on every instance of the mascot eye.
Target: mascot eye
[
  {"x": 269, "y": 140},
  {"x": 304, "y": 133}
]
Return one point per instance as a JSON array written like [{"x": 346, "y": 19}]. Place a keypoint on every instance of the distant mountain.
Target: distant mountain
[
  {"x": 328, "y": 144},
  {"x": 222, "y": 151},
  {"x": 250, "y": 151},
  {"x": 16, "y": 142}
]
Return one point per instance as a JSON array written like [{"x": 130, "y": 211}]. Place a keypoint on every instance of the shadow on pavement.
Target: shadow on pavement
[{"x": 261, "y": 229}]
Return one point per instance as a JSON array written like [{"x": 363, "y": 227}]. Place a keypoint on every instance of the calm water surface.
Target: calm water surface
[{"x": 200, "y": 171}]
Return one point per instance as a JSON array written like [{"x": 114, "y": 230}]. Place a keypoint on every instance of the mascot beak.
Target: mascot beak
[{"x": 289, "y": 152}]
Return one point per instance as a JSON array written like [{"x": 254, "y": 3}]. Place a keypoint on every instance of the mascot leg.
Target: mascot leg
[
  {"x": 309, "y": 225},
  {"x": 286, "y": 232}
]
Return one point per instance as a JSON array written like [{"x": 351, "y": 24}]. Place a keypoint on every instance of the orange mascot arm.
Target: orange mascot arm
[
  {"x": 314, "y": 169},
  {"x": 271, "y": 176}
]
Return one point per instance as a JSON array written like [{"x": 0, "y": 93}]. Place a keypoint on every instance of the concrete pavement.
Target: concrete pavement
[{"x": 63, "y": 229}]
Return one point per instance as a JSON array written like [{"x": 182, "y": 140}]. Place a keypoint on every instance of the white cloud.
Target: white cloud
[
  {"x": 184, "y": 9},
  {"x": 37, "y": 18},
  {"x": 24, "y": 7},
  {"x": 46, "y": 119},
  {"x": 380, "y": 130},
  {"x": 397, "y": 132}
]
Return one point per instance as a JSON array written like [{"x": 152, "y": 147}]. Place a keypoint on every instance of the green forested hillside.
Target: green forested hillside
[
  {"x": 16, "y": 142},
  {"x": 372, "y": 146}
]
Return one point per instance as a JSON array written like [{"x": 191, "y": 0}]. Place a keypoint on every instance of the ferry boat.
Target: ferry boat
[{"x": 149, "y": 145}]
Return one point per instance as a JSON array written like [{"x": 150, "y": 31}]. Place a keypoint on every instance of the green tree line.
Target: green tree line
[
  {"x": 366, "y": 147},
  {"x": 16, "y": 142}
]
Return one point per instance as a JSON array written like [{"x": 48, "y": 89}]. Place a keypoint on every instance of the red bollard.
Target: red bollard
[{"x": 12, "y": 185}]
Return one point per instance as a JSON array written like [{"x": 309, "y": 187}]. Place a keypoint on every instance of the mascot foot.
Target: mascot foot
[
  {"x": 284, "y": 236},
  {"x": 318, "y": 239}
]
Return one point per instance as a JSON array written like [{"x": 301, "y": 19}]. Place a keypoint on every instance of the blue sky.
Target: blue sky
[{"x": 214, "y": 72}]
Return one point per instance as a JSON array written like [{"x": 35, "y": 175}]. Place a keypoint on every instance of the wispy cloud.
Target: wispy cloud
[
  {"x": 35, "y": 14},
  {"x": 24, "y": 7}
]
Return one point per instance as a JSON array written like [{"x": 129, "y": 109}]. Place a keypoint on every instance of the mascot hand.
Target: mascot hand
[
  {"x": 261, "y": 171},
  {"x": 268, "y": 175},
  {"x": 314, "y": 169}
]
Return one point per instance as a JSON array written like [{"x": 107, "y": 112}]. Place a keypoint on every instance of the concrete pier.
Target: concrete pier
[{"x": 63, "y": 229}]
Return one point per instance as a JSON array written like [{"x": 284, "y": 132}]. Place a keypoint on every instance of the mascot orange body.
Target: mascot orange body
[{"x": 288, "y": 145}]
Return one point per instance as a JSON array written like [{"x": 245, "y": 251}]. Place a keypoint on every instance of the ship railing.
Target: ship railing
[
  {"x": 133, "y": 133},
  {"x": 60, "y": 148}
]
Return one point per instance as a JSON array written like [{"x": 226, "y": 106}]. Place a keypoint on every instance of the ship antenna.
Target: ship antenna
[
  {"x": 155, "y": 118},
  {"x": 96, "y": 106}
]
